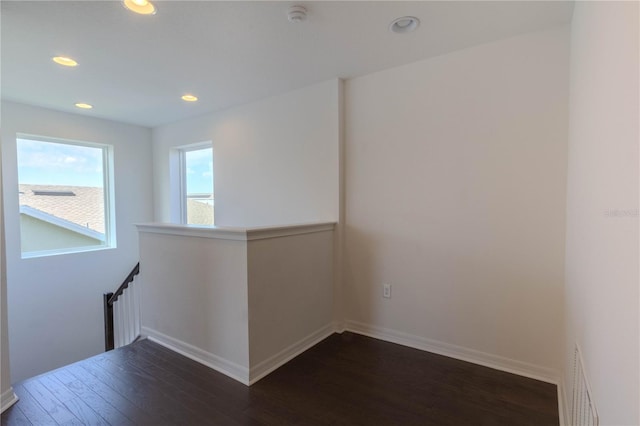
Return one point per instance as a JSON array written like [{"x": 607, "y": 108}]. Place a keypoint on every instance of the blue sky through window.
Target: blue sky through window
[
  {"x": 199, "y": 164},
  {"x": 50, "y": 163}
]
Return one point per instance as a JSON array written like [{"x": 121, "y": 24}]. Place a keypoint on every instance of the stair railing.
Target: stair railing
[{"x": 127, "y": 313}]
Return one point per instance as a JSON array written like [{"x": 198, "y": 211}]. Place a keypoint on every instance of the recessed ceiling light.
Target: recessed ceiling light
[
  {"x": 84, "y": 106},
  {"x": 189, "y": 98},
  {"x": 64, "y": 60},
  {"x": 406, "y": 24},
  {"x": 143, "y": 7}
]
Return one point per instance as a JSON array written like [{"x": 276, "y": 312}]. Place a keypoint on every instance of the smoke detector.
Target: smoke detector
[{"x": 297, "y": 13}]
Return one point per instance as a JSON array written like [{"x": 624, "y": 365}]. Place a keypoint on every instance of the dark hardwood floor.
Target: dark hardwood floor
[{"x": 345, "y": 380}]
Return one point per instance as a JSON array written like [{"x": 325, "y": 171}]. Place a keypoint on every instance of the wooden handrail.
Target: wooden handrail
[{"x": 108, "y": 300}]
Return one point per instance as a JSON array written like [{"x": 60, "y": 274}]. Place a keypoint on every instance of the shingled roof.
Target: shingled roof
[
  {"x": 199, "y": 212},
  {"x": 81, "y": 205}
]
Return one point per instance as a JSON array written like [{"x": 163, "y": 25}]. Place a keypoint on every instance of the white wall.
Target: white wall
[
  {"x": 194, "y": 290},
  {"x": 6, "y": 392},
  {"x": 290, "y": 293},
  {"x": 275, "y": 160},
  {"x": 602, "y": 312},
  {"x": 242, "y": 301},
  {"x": 455, "y": 195},
  {"x": 5, "y": 382},
  {"x": 55, "y": 302}
]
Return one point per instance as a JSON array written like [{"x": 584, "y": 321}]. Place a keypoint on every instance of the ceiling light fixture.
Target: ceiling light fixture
[
  {"x": 403, "y": 25},
  {"x": 297, "y": 14},
  {"x": 64, "y": 60},
  {"x": 84, "y": 106},
  {"x": 189, "y": 98},
  {"x": 143, "y": 7}
]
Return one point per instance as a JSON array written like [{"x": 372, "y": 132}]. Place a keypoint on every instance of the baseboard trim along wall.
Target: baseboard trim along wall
[
  {"x": 265, "y": 367},
  {"x": 236, "y": 371},
  {"x": 458, "y": 352},
  {"x": 249, "y": 376},
  {"x": 7, "y": 399},
  {"x": 221, "y": 365},
  {"x": 563, "y": 408}
]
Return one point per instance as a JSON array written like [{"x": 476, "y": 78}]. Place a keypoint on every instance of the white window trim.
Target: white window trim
[{"x": 109, "y": 240}]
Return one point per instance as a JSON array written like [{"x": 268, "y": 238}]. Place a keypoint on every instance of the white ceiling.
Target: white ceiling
[{"x": 134, "y": 68}]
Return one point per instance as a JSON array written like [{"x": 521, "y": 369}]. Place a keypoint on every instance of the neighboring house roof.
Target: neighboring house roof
[
  {"x": 199, "y": 212},
  {"x": 54, "y": 220},
  {"x": 67, "y": 206}
]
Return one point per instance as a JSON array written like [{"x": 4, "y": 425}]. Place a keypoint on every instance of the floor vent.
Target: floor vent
[{"x": 583, "y": 412}]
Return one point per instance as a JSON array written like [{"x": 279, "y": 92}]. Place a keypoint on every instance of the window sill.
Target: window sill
[{"x": 57, "y": 252}]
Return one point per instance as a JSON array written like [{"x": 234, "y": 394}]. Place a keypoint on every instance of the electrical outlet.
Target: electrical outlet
[{"x": 386, "y": 291}]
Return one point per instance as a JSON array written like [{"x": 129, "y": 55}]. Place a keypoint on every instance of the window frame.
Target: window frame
[
  {"x": 182, "y": 168},
  {"x": 110, "y": 241}
]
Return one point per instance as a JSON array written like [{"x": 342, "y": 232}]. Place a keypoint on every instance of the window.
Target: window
[
  {"x": 197, "y": 185},
  {"x": 65, "y": 196}
]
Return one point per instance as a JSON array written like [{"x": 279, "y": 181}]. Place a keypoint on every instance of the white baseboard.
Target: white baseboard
[
  {"x": 563, "y": 408},
  {"x": 520, "y": 368},
  {"x": 339, "y": 326},
  {"x": 265, "y": 367},
  {"x": 222, "y": 365},
  {"x": 7, "y": 399}
]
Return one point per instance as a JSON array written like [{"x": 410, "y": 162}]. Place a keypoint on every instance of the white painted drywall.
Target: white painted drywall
[
  {"x": 455, "y": 195},
  {"x": 5, "y": 374},
  {"x": 195, "y": 290},
  {"x": 241, "y": 300},
  {"x": 275, "y": 161},
  {"x": 602, "y": 292},
  {"x": 55, "y": 302},
  {"x": 290, "y": 291}
]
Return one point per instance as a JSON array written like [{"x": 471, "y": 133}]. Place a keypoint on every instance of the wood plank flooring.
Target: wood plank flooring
[{"x": 347, "y": 379}]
